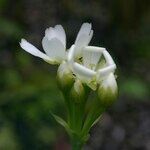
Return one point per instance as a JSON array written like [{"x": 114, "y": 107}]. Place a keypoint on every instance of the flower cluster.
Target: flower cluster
[
  {"x": 92, "y": 65},
  {"x": 82, "y": 69}
]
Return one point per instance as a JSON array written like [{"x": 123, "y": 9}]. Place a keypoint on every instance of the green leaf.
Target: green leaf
[
  {"x": 85, "y": 138},
  {"x": 96, "y": 121},
  {"x": 62, "y": 122}
]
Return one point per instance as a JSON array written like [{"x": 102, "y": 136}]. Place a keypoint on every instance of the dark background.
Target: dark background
[{"x": 28, "y": 90}]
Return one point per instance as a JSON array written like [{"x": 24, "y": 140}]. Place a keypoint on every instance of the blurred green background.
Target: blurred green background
[{"x": 28, "y": 90}]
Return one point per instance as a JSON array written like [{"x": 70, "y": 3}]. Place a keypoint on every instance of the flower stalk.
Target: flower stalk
[{"x": 76, "y": 143}]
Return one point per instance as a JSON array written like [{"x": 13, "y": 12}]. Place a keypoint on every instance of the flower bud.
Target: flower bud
[
  {"x": 108, "y": 90},
  {"x": 78, "y": 91},
  {"x": 65, "y": 77}
]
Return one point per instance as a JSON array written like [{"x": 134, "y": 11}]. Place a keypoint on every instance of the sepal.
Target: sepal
[
  {"x": 107, "y": 91},
  {"x": 63, "y": 123},
  {"x": 65, "y": 78},
  {"x": 78, "y": 91}
]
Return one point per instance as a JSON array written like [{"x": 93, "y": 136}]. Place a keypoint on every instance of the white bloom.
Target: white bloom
[
  {"x": 84, "y": 59},
  {"x": 86, "y": 68},
  {"x": 81, "y": 59},
  {"x": 54, "y": 45}
]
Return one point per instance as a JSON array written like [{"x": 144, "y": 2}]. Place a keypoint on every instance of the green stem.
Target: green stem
[
  {"x": 73, "y": 115},
  {"x": 79, "y": 112},
  {"x": 91, "y": 117},
  {"x": 76, "y": 143},
  {"x": 76, "y": 124},
  {"x": 69, "y": 108}
]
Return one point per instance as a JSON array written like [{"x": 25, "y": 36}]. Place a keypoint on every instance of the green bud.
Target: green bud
[
  {"x": 65, "y": 77},
  {"x": 78, "y": 91},
  {"x": 107, "y": 91}
]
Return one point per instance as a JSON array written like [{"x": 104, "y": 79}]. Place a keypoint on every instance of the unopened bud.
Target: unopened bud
[
  {"x": 108, "y": 90},
  {"x": 78, "y": 91},
  {"x": 65, "y": 77}
]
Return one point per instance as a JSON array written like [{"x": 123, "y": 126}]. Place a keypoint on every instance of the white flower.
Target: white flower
[
  {"x": 83, "y": 60},
  {"x": 88, "y": 68},
  {"x": 54, "y": 45}
]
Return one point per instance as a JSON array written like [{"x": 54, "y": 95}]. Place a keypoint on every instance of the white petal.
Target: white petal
[
  {"x": 70, "y": 55},
  {"x": 63, "y": 69},
  {"x": 61, "y": 34},
  {"x": 104, "y": 72},
  {"x": 33, "y": 50},
  {"x": 83, "y": 38},
  {"x": 108, "y": 57},
  {"x": 83, "y": 73},
  {"x": 57, "y": 32},
  {"x": 54, "y": 49},
  {"x": 91, "y": 56},
  {"x": 85, "y": 29},
  {"x": 50, "y": 33},
  {"x": 109, "y": 83}
]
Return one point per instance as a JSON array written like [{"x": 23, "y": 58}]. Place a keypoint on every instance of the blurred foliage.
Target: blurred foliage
[
  {"x": 135, "y": 88},
  {"x": 9, "y": 28},
  {"x": 28, "y": 90}
]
